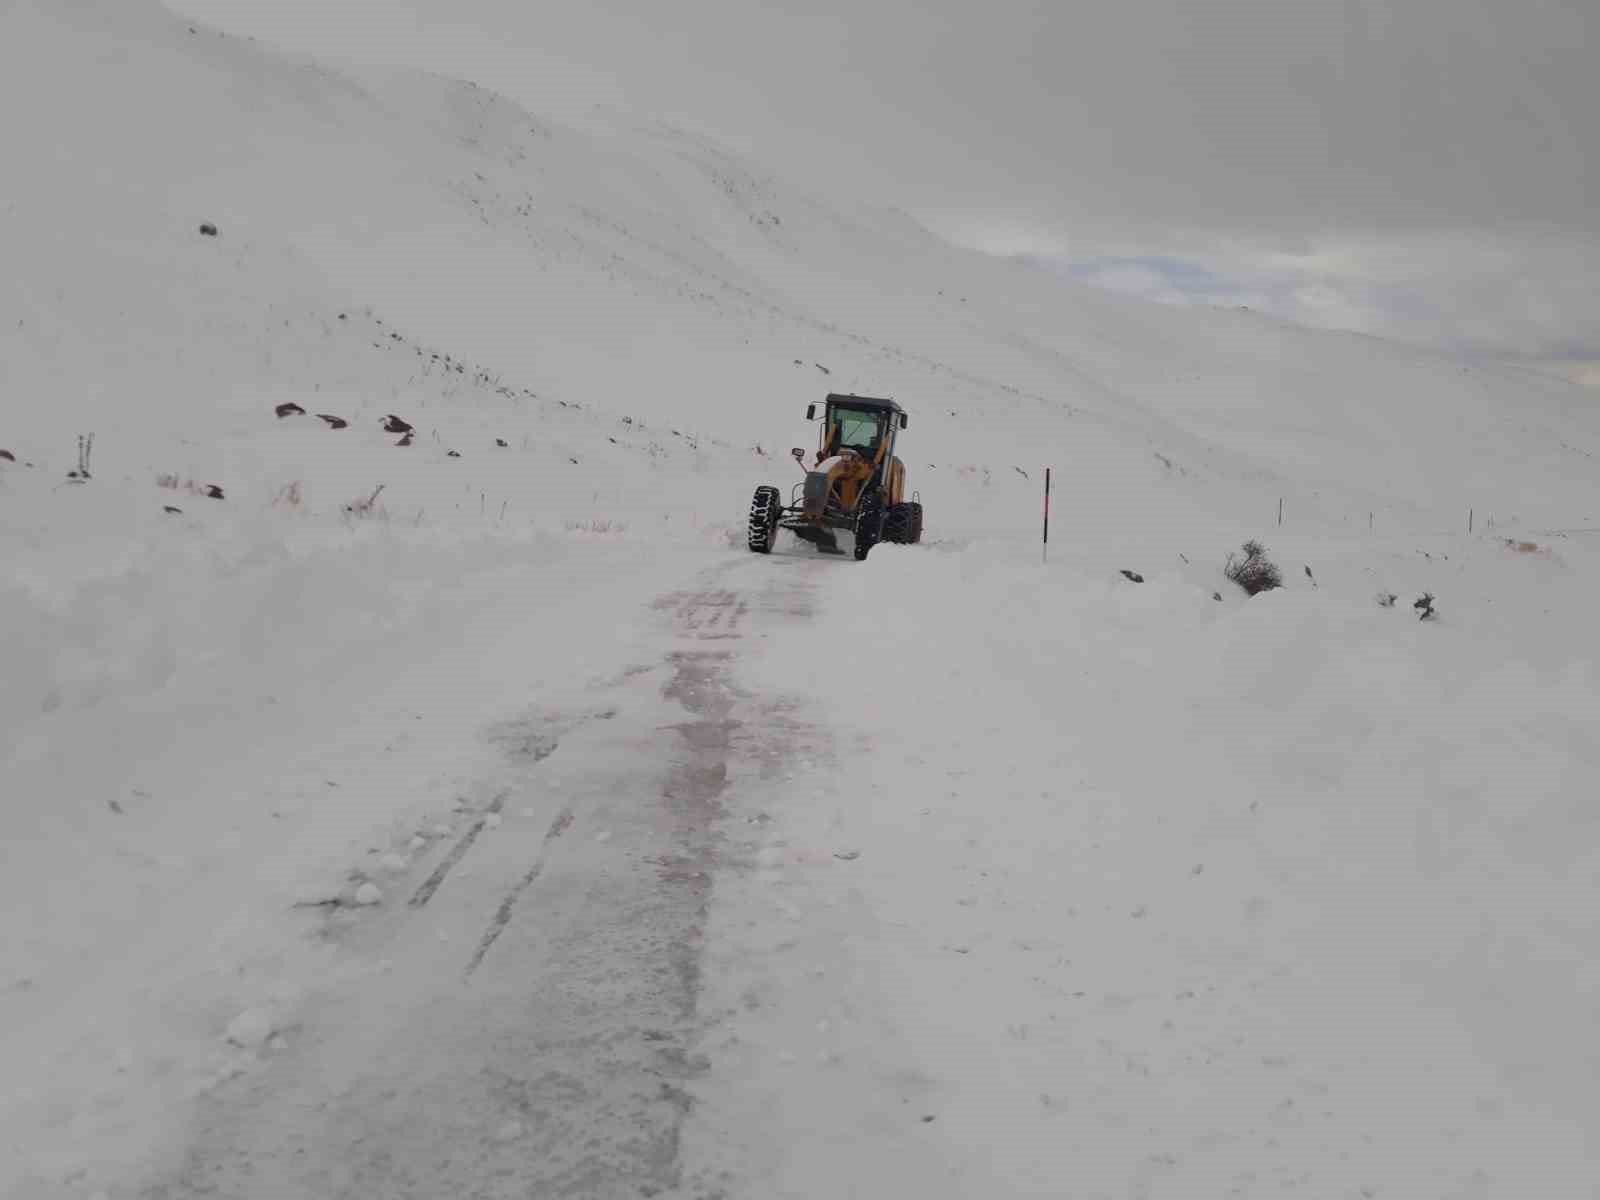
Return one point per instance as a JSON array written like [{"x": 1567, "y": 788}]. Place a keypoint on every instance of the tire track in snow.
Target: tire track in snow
[
  {"x": 502, "y": 916},
  {"x": 430, "y": 885},
  {"x": 555, "y": 1057}
]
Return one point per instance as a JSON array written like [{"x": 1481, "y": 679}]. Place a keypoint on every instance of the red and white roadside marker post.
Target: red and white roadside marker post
[{"x": 1044, "y": 549}]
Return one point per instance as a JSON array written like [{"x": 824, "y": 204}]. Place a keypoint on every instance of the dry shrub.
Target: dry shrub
[
  {"x": 367, "y": 506},
  {"x": 173, "y": 483},
  {"x": 1254, "y": 572},
  {"x": 597, "y": 525}
]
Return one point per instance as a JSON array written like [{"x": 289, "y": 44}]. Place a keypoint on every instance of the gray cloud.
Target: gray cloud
[
  {"x": 1323, "y": 139},
  {"x": 1483, "y": 295}
]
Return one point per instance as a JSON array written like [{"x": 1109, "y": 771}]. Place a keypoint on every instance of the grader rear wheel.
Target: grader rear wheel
[{"x": 898, "y": 525}]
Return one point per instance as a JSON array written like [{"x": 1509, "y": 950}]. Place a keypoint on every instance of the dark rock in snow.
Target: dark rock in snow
[
  {"x": 8, "y": 456},
  {"x": 171, "y": 508},
  {"x": 501, "y": 442},
  {"x": 289, "y": 409},
  {"x": 452, "y": 454},
  {"x": 1133, "y": 575},
  {"x": 333, "y": 421},
  {"x": 393, "y": 424},
  {"x": 214, "y": 492},
  {"x": 208, "y": 230},
  {"x": 405, "y": 441}
]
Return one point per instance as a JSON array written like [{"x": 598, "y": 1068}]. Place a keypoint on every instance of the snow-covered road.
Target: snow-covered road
[
  {"x": 946, "y": 875},
  {"x": 523, "y": 1021}
]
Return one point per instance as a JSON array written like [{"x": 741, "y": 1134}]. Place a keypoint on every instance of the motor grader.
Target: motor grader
[{"x": 854, "y": 483}]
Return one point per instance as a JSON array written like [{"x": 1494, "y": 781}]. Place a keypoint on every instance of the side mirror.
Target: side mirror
[
  {"x": 799, "y": 455},
  {"x": 811, "y": 412},
  {"x": 905, "y": 419}
]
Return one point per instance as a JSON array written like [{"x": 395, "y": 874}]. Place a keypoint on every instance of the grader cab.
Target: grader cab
[{"x": 854, "y": 483}]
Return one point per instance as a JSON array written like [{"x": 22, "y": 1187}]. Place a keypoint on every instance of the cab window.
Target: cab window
[{"x": 861, "y": 429}]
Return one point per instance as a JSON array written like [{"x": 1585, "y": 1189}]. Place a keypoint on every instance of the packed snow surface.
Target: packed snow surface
[{"x": 413, "y": 787}]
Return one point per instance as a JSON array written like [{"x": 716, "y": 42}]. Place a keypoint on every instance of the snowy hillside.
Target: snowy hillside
[{"x": 1124, "y": 888}]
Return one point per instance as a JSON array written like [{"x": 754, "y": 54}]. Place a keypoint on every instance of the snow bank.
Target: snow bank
[{"x": 1155, "y": 890}]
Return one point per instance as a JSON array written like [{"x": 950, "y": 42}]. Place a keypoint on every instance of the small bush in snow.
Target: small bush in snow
[
  {"x": 597, "y": 525},
  {"x": 1254, "y": 572},
  {"x": 1424, "y": 607},
  {"x": 367, "y": 506},
  {"x": 85, "y": 448},
  {"x": 173, "y": 483},
  {"x": 1387, "y": 599}
]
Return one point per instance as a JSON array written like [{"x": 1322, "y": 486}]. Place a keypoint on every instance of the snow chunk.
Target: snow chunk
[
  {"x": 509, "y": 1132},
  {"x": 393, "y": 863},
  {"x": 368, "y": 894},
  {"x": 492, "y": 821},
  {"x": 250, "y": 1028}
]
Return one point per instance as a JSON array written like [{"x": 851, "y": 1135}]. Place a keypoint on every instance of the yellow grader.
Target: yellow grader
[{"x": 855, "y": 483}]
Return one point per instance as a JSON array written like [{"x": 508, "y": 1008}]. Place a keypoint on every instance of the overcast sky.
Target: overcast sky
[{"x": 1424, "y": 169}]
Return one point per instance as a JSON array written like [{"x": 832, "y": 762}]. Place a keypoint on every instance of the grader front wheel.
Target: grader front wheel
[
  {"x": 763, "y": 527},
  {"x": 869, "y": 525}
]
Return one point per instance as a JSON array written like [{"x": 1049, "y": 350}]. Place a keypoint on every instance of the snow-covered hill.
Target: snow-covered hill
[{"x": 247, "y": 644}]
